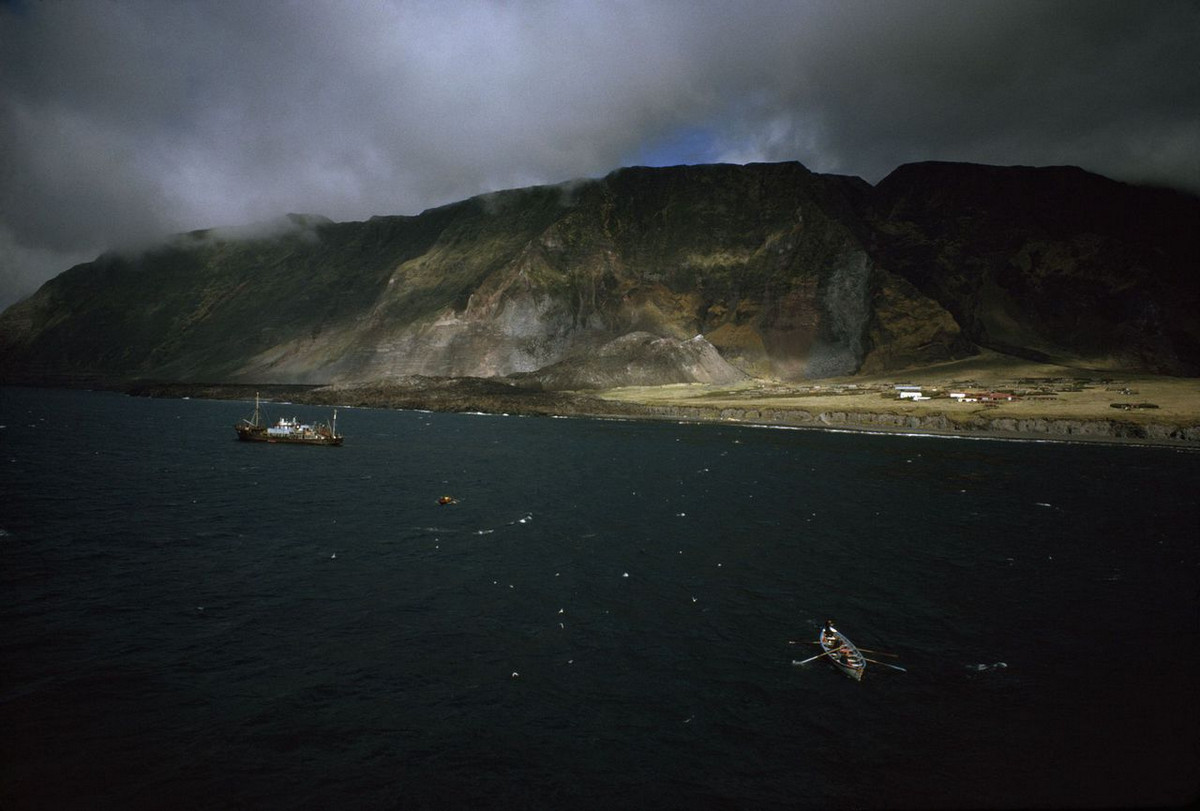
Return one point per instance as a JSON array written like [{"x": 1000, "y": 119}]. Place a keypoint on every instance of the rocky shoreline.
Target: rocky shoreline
[
  {"x": 999, "y": 427},
  {"x": 496, "y": 396}
]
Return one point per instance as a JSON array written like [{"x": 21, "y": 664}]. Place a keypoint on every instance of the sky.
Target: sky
[{"x": 123, "y": 121}]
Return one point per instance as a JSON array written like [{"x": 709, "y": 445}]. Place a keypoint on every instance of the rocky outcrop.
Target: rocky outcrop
[{"x": 637, "y": 359}]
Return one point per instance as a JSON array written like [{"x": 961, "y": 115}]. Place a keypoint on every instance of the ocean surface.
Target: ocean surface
[{"x": 606, "y": 618}]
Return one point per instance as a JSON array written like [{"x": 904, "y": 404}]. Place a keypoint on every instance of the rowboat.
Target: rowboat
[
  {"x": 842, "y": 652},
  {"x": 848, "y": 657}
]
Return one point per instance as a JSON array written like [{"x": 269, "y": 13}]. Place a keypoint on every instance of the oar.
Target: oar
[
  {"x": 813, "y": 658},
  {"x": 880, "y": 653},
  {"x": 885, "y": 664}
]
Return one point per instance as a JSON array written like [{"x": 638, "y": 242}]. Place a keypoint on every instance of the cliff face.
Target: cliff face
[
  {"x": 1050, "y": 264},
  {"x": 647, "y": 275}
]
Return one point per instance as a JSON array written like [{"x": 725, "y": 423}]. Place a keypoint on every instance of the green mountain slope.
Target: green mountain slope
[{"x": 716, "y": 271}]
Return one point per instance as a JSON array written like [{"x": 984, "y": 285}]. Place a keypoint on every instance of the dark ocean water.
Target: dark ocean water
[{"x": 601, "y": 621}]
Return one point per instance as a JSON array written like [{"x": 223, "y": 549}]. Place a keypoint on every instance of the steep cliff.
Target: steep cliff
[
  {"x": 1049, "y": 263},
  {"x": 646, "y": 275}
]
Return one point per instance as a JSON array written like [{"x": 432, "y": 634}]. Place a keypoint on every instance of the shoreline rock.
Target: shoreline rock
[
  {"x": 495, "y": 396},
  {"x": 1103, "y": 430}
]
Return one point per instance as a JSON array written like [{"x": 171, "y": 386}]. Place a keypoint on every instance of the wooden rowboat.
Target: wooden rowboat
[
  {"x": 845, "y": 655},
  {"x": 842, "y": 652}
]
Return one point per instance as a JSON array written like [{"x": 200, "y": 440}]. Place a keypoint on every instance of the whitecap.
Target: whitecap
[{"x": 979, "y": 668}]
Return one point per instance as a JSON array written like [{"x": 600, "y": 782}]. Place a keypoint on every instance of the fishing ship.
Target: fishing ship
[{"x": 287, "y": 431}]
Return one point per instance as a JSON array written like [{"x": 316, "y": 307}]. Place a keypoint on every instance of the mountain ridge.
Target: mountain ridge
[{"x": 762, "y": 270}]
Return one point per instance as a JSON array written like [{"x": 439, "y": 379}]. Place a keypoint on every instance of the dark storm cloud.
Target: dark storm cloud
[{"x": 126, "y": 119}]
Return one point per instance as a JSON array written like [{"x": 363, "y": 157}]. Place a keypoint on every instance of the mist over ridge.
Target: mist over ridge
[{"x": 724, "y": 271}]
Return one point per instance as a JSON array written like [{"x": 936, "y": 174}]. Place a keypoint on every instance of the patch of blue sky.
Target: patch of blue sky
[{"x": 682, "y": 146}]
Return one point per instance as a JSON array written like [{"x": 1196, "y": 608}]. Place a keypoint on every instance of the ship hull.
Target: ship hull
[
  {"x": 287, "y": 431},
  {"x": 260, "y": 435}
]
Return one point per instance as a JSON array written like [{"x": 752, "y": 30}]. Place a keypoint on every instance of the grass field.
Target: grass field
[{"x": 1043, "y": 392}]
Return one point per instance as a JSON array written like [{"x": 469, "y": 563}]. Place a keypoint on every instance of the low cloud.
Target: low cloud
[{"x": 127, "y": 120}]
